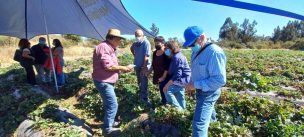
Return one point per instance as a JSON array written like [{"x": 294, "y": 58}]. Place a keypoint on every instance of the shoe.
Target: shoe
[
  {"x": 113, "y": 133},
  {"x": 147, "y": 102},
  {"x": 116, "y": 123}
]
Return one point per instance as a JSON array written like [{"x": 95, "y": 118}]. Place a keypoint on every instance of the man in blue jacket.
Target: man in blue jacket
[{"x": 208, "y": 67}]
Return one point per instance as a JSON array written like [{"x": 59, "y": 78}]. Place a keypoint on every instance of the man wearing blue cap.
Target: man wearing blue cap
[{"x": 208, "y": 67}]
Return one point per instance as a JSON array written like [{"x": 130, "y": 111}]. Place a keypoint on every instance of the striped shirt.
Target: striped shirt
[{"x": 209, "y": 69}]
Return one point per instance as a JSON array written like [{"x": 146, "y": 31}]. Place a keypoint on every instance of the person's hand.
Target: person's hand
[
  {"x": 190, "y": 86},
  {"x": 161, "y": 79},
  {"x": 166, "y": 87},
  {"x": 143, "y": 71},
  {"x": 131, "y": 66},
  {"x": 125, "y": 69},
  {"x": 190, "y": 93},
  {"x": 190, "y": 89},
  {"x": 148, "y": 73}
]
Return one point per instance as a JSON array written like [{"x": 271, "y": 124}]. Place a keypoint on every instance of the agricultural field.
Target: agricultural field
[{"x": 264, "y": 96}]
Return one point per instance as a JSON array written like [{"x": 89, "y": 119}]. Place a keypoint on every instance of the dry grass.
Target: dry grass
[
  {"x": 7, "y": 53},
  {"x": 70, "y": 53}
]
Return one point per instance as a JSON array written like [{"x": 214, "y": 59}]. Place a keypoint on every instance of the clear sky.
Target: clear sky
[{"x": 172, "y": 17}]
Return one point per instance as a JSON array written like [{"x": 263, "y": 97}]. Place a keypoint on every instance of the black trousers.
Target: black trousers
[
  {"x": 161, "y": 87},
  {"x": 30, "y": 75}
]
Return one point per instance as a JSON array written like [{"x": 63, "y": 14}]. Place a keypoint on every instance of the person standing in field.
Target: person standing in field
[
  {"x": 105, "y": 74},
  {"x": 160, "y": 66},
  {"x": 208, "y": 66},
  {"x": 27, "y": 60},
  {"x": 39, "y": 52},
  {"x": 58, "y": 56},
  {"x": 141, "y": 50},
  {"x": 179, "y": 74}
]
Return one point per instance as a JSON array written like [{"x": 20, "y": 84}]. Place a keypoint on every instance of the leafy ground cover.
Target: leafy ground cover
[{"x": 277, "y": 71}]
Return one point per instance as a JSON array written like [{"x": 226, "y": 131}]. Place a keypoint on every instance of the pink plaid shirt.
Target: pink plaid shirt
[{"x": 104, "y": 57}]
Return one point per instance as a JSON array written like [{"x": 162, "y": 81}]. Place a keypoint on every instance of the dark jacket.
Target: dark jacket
[
  {"x": 179, "y": 70},
  {"x": 39, "y": 54}
]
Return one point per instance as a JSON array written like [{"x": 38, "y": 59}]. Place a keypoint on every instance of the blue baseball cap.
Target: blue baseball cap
[{"x": 191, "y": 34}]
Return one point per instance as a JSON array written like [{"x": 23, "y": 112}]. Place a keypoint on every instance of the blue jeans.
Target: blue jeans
[
  {"x": 110, "y": 104},
  {"x": 204, "y": 111},
  {"x": 60, "y": 77},
  {"x": 176, "y": 96},
  {"x": 142, "y": 82}
]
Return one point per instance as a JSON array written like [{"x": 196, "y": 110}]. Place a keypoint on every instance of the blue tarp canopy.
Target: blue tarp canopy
[
  {"x": 254, "y": 7},
  {"x": 89, "y": 18}
]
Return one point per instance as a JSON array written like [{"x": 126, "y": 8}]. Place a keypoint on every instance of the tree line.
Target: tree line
[{"x": 235, "y": 35}]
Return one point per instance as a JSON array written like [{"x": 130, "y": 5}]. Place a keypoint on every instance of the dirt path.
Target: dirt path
[{"x": 273, "y": 96}]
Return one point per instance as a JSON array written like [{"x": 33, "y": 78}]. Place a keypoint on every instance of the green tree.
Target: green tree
[
  {"x": 247, "y": 31},
  {"x": 276, "y": 34},
  {"x": 301, "y": 27},
  {"x": 229, "y": 30},
  {"x": 292, "y": 31},
  {"x": 289, "y": 32},
  {"x": 154, "y": 29}
]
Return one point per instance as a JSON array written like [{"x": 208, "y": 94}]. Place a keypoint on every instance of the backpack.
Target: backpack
[{"x": 18, "y": 55}]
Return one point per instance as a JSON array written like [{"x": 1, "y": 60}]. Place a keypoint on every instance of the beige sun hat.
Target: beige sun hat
[{"x": 115, "y": 32}]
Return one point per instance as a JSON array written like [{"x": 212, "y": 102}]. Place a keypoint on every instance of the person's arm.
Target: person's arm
[
  {"x": 147, "y": 53},
  {"x": 118, "y": 68},
  {"x": 146, "y": 59},
  {"x": 26, "y": 54},
  {"x": 178, "y": 70},
  {"x": 153, "y": 57},
  {"x": 175, "y": 75},
  {"x": 163, "y": 77},
  {"x": 217, "y": 72},
  {"x": 132, "y": 49},
  {"x": 108, "y": 64}
]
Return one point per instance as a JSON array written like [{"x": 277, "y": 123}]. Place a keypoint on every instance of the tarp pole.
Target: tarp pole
[
  {"x": 25, "y": 14},
  {"x": 50, "y": 46}
]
